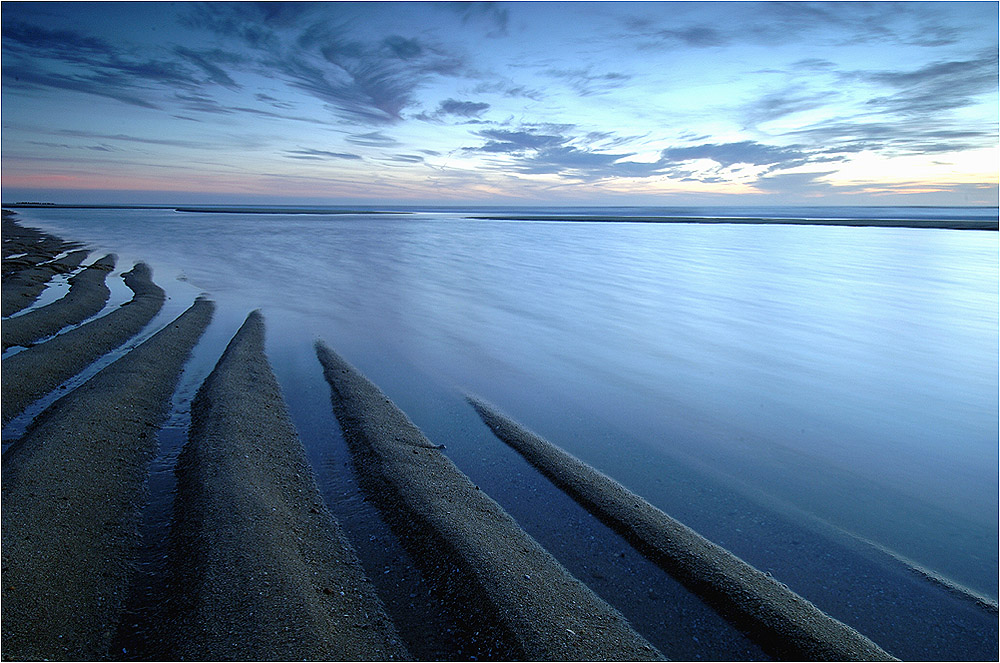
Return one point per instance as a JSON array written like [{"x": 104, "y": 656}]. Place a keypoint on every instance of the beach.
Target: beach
[{"x": 292, "y": 493}]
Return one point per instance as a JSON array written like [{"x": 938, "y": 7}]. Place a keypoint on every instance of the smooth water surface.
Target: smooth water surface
[{"x": 842, "y": 374}]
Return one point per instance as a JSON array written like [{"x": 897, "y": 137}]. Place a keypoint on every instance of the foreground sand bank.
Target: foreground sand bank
[
  {"x": 783, "y": 623},
  {"x": 87, "y": 295},
  {"x": 36, "y": 371},
  {"x": 540, "y": 610},
  {"x": 72, "y": 489},
  {"x": 21, "y": 289},
  {"x": 260, "y": 568}
]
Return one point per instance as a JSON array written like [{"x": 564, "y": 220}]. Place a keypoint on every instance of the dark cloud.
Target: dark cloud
[
  {"x": 128, "y": 138},
  {"x": 784, "y": 102},
  {"x": 463, "y": 108},
  {"x": 403, "y": 48},
  {"x": 17, "y": 76},
  {"x": 586, "y": 83},
  {"x": 729, "y": 154},
  {"x": 452, "y": 108},
  {"x": 511, "y": 142},
  {"x": 372, "y": 139},
  {"x": 318, "y": 155},
  {"x": 208, "y": 61},
  {"x": 937, "y": 87},
  {"x": 510, "y": 89},
  {"x": 19, "y": 36},
  {"x": 490, "y": 13},
  {"x": 899, "y": 137},
  {"x": 769, "y": 23}
]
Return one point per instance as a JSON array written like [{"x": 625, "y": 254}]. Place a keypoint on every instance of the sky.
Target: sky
[{"x": 446, "y": 103}]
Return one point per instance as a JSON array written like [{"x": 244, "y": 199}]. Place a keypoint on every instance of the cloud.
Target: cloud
[
  {"x": 372, "y": 139},
  {"x": 586, "y": 83},
  {"x": 318, "y": 155},
  {"x": 463, "y": 108},
  {"x": 488, "y": 12},
  {"x": 512, "y": 142},
  {"x": 452, "y": 108},
  {"x": 509, "y": 89},
  {"x": 937, "y": 87},
  {"x": 729, "y": 154},
  {"x": 207, "y": 62}
]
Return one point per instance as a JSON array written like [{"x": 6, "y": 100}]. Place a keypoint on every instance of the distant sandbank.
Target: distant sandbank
[{"x": 940, "y": 224}]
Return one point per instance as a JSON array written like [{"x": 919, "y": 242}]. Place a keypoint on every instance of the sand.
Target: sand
[
  {"x": 34, "y": 372},
  {"x": 501, "y": 576},
  {"x": 783, "y": 623},
  {"x": 263, "y": 570},
  {"x": 86, "y": 297},
  {"x": 21, "y": 289},
  {"x": 941, "y": 224},
  {"x": 72, "y": 489}
]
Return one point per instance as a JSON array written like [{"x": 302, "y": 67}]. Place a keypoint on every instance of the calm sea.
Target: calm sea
[{"x": 845, "y": 378}]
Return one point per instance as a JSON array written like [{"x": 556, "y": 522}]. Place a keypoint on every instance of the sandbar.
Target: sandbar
[
  {"x": 488, "y": 563},
  {"x": 72, "y": 489},
  {"x": 940, "y": 224},
  {"x": 87, "y": 295},
  {"x": 782, "y": 622},
  {"x": 261, "y": 569},
  {"x": 34, "y": 372}
]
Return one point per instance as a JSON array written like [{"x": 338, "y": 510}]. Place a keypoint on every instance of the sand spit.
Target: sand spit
[
  {"x": 34, "y": 372},
  {"x": 72, "y": 490},
  {"x": 783, "y": 623},
  {"x": 262, "y": 570},
  {"x": 487, "y": 563},
  {"x": 86, "y": 297},
  {"x": 22, "y": 288},
  {"x": 940, "y": 224}
]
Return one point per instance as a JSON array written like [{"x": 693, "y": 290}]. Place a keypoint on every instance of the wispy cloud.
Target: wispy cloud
[{"x": 320, "y": 155}]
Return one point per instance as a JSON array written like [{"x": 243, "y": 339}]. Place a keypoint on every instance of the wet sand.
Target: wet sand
[
  {"x": 783, "y": 623},
  {"x": 36, "y": 371},
  {"x": 72, "y": 489},
  {"x": 86, "y": 297},
  {"x": 504, "y": 577},
  {"x": 21, "y": 289},
  {"x": 261, "y": 569}
]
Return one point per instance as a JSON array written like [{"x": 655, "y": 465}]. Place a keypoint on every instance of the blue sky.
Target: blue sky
[{"x": 509, "y": 103}]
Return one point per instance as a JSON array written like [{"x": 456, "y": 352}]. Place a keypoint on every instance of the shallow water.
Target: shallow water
[{"x": 833, "y": 375}]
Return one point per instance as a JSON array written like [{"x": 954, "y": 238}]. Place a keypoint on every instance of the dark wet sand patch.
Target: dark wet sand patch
[
  {"x": 73, "y": 486},
  {"x": 36, "y": 371},
  {"x": 87, "y": 295},
  {"x": 783, "y": 623},
  {"x": 261, "y": 570},
  {"x": 536, "y": 609}
]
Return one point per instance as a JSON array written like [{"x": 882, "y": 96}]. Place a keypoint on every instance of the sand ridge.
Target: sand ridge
[
  {"x": 782, "y": 622},
  {"x": 540, "y": 610},
  {"x": 36, "y": 371},
  {"x": 87, "y": 295},
  {"x": 72, "y": 489},
  {"x": 260, "y": 567}
]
